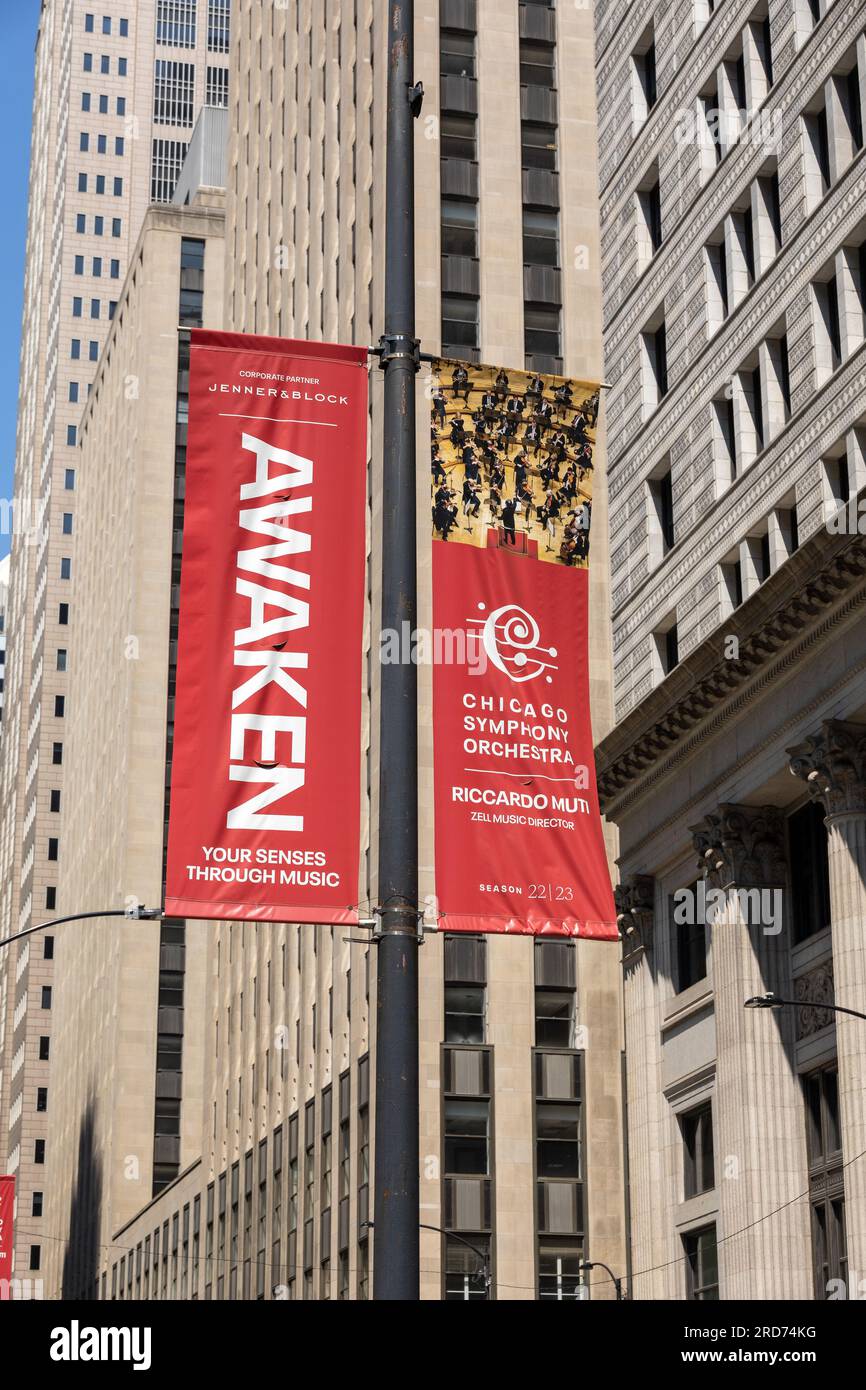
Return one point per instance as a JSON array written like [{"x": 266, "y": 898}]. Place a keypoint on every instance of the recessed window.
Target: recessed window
[
  {"x": 467, "y": 1137},
  {"x": 649, "y": 216},
  {"x": 456, "y": 53},
  {"x": 702, "y": 1265},
  {"x": 646, "y": 87},
  {"x": 655, "y": 365},
  {"x": 696, "y": 1127},
  {"x": 688, "y": 942},
  {"x": 44, "y": 1042},
  {"x": 538, "y": 145},
  {"x": 459, "y": 227},
  {"x": 810, "y": 871},
  {"x": 661, "y": 518}
]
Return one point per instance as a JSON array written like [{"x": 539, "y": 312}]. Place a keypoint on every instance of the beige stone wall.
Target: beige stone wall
[{"x": 105, "y": 1017}]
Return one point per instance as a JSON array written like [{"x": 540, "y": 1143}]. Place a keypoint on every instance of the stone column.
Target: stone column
[
  {"x": 760, "y": 1134},
  {"x": 833, "y": 764},
  {"x": 635, "y": 902}
]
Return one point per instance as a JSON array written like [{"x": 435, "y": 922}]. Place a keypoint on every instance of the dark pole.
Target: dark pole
[{"x": 395, "y": 1234}]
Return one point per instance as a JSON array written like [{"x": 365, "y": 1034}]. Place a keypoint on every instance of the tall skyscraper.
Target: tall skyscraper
[
  {"x": 521, "y": 1120},
  {"x": 734, "y": 267},
  {"x": 4, "y": 597},
  {"x": 116, "y": 94}
]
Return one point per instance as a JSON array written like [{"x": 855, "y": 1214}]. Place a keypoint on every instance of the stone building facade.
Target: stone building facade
[{"x": 733, "y": 234}]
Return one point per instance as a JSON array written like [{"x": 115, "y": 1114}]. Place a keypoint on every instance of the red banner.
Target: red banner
[
  {"x": 7, "y": 1246},
  {"x": 266, "y": 768},
  {"x": 519, "y": 842}
]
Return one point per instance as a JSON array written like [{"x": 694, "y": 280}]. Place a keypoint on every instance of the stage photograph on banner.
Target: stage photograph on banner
[
  {"x": 265, "y": 781},
  {"x": 519, "y": 841}
]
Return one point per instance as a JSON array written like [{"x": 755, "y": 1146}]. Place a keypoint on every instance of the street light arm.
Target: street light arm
[
  {"x": 452, "y": 1235},
  {"x": 772, "y": 1001},
  {"x": 146, "y": 914},
  {"x": 617, "y": 1283}
]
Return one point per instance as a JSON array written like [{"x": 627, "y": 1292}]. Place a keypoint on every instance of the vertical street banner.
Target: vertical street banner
[
  {"x": 519, "y": 843},
  {"x": 265, "y": 805},
  {"x": 7, "y": 1245}
]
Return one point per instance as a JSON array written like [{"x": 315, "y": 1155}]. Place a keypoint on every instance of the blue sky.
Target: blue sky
[{"x": 16, "y": 96}]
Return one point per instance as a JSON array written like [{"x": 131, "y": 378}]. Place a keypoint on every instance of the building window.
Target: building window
[
  {"x": 661, "y": 492},
  {"x": 696, "y": 1127},
  {"x": 217, "y": 87},
  {"x": 555, "y": 993},
  {"x": 42, "y": 1095},
  {"x": 467, "y": 1169},
  {"x": 810, "y": 871},
  {"x": 646, "y": 87},
  {"x": 173, "y": 93},
  {"x": 689, "y": 942},
  {"x": 826, "y": 1182},
  {"x": 465, "y": 978},
  {"x": 48, "y": 941},
  {"x": 649, "y": 203},
  {"x": 44, "y": 1046},
  {"x": 457, "y": 132},
  {"x": 176, "y": 23},
  {"x": 467, "y": 1268},
  {"x": 37, "y": 1204},
  {"x": 655, "y": 356},
  {"x": 702, "y": 1265},
  {"x": 218, "y": 22},
  {"x": 559, "y": 1265},
  {"x": 35, "y": 1256},
  {"x": 39, "y": 1151},
  {"x": 456, "y": 53},
  {"x": 167, "y": 161}
]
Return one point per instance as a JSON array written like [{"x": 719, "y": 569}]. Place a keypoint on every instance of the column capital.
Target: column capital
[
  {"x": 832, "y": 763},
  {"x": 742, "y": 846},
  {"x": 635, "y": 907}
]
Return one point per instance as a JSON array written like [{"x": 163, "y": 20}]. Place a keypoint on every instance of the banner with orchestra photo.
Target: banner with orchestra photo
[{"x": 519, "y": 844}]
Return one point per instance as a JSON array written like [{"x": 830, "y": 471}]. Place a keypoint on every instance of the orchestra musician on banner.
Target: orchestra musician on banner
[{"x": 513, "y": 453}]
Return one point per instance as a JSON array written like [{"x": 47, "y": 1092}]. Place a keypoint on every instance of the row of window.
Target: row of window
[
  {"x": 542, "y": 309},
  {"x": 96, "y": 266},
  {"x": 104, "y": 66},
  {"x": 177, "y": 24},
  {"x": 95, "y": 308},
  {"x": 459, "y": 185},
  {"x": 826, "y": 1189},
  {"x": 101, "y": 143},
  {"x": 90, "y": 25},
  {"x": 102, "y": 104},
  {"x": 100, "y": 184}
]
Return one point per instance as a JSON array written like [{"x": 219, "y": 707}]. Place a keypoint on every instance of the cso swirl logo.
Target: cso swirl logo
[{"x": 510, "y": 637}]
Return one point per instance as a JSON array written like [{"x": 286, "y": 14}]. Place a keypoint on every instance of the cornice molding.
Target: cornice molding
[{"x": 709, "y": 690}]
